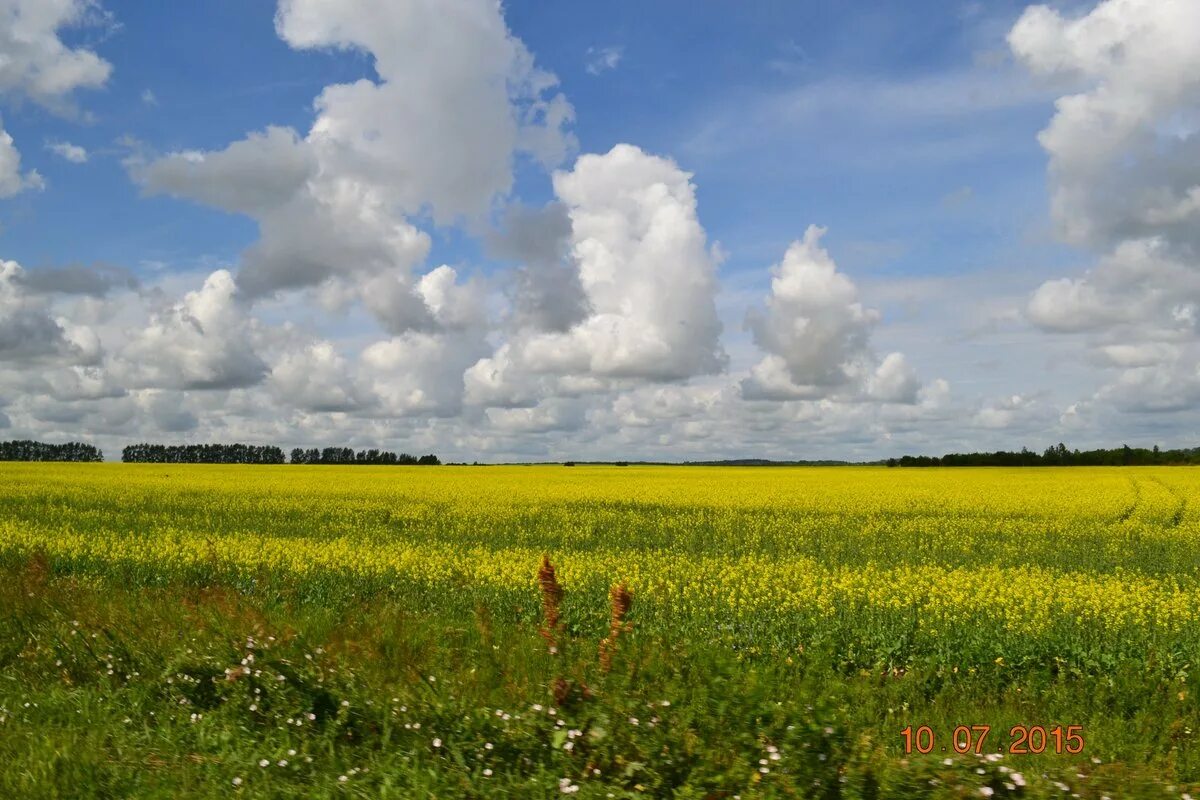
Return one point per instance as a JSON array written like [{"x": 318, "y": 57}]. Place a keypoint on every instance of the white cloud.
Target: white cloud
[
  {"x": 648, "y": 280},
  {"x": 645, "y": 268},
  {"x": 253, "y": 176},
  {"x": 1123, "y": 150},
  {"x": 12, "y": 180},
  {"x": 603, "y": 59},
  {"x": 31, "y": 333},
  {"x": 317, "y": 378},
  {"x": 545, "y": 292},
  {"x": 71, "y": 152},
  {"x": 457, "y": 100},
  {"x": 1004, "y": 412},
  {"x": 36, "y": 64},
  {"x": 204, "y": 341},
  {"x": 421, "y": 373},
  {"x": 1172, "y": 384},
  {"x": 554, "y": 414},
  {"x": 816, "y": 334},
  {"x": 96, "y": 281},
  {"x": 1124, "y": 171},
  {"x": 149, "y": 98},
  {"x": 81, "y": 383},
  {"x": 894, "y": 381},
  {"x": 457, "y": 96},
  {"x": 313, "y": 224}
]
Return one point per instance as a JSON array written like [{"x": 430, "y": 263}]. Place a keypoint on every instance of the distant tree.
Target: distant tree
[
  {"x": 27, "y": 450},
  {"x": 1057, "y": 455},
  {"x": 236, "y": 453},
  {"x": 347, "y": 455}
]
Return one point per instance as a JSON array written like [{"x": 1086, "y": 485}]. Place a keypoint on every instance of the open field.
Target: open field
[{"x": 800, "y": 618}]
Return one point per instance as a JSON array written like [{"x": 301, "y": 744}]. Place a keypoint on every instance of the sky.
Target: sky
[{"x": 665, "y": 231}]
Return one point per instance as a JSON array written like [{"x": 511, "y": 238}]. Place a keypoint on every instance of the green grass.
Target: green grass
[{"x": 119, "y": 692}]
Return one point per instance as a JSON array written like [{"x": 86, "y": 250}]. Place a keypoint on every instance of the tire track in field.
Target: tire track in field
[
  {"x": 1180, "y": 509},
  {"x": 1137, "y": 499}
]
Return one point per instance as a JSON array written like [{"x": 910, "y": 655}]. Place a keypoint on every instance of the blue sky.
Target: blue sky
[{"x": 911, "y": 134}]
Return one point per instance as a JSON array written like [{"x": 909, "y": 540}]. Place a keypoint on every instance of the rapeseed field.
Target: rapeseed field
[{"x": 858, "y": 601}]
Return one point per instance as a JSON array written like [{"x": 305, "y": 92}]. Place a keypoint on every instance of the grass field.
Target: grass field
[{"x": 172, "y": 631}]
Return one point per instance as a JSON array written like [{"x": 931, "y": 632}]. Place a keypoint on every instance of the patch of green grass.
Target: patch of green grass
[{"x": 184, "y": 691}]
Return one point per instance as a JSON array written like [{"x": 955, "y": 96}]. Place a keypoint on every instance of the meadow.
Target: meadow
[{"x": 279, "y": 631}]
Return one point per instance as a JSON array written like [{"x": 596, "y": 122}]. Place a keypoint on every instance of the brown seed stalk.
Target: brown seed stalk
[
  {"x": 552, "y": 595},
  {"x": 620, "y": 601}
]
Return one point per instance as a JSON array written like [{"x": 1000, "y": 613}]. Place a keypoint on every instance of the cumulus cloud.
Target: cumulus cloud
[
  {"x": 204, "y": 341},
  {"x": 69, "y": 152},
  {"x": 421, "y": 373},
  {"x": 435, "y": 302},
  {"x": 816, "y": 335},
  {"x": 36, "y": 62},
  {"x": 76, "y": 280},
  {"x": 12, "y": 180},
  {"x": 29, "y": 332},
  {"x": 1142, "y": 288},
  {"x": 813, "y": 325},
  {"x": 1124, "y": 154},
  {"x": 37, "y": 65},
  {"x": 317, "y": 378},
  {"x": 545, "y": 292},
  {"x": 1170, "y": 384},
  {"x": 313, "y": 225},
  {"x": 1124, "y": 171},
  {"x": 648, "y": 280},
  {"x": 456, "y": 101},
  {"x": 651, "y": 407},
  {"x": 550, "y": 415},
  {"x": 894, "y": 381},
  {"x": 457, "y": 96},
  {"x": 1004, "y": 412},
  {"x": 646, "y": 271},
  {"x": 81, "y": 383},
  {"x": 167, "y": 411},
  {"x": 253, "y": 176},
  {"x": 603, "y": 59}
]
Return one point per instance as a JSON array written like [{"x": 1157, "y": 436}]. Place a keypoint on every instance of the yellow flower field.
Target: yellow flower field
[{"x": 880, "y": 565}]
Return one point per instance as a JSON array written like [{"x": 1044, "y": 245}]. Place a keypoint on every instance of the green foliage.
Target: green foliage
[{"x": 191, "y": 692}]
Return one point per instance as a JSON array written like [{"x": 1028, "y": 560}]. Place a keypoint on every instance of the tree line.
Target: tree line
[
  {"x": 264, "y": 454},
  {"x": 346, "y": 455},
  {"x": 237, "y": 453},
  {"x": 26, "y": 450},
  {"x": 202, "y": 454},
  {"x": 1057, "y": 456}
]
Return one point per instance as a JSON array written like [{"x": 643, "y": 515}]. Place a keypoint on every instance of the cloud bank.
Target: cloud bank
[{"x": 599, "y": 322}]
